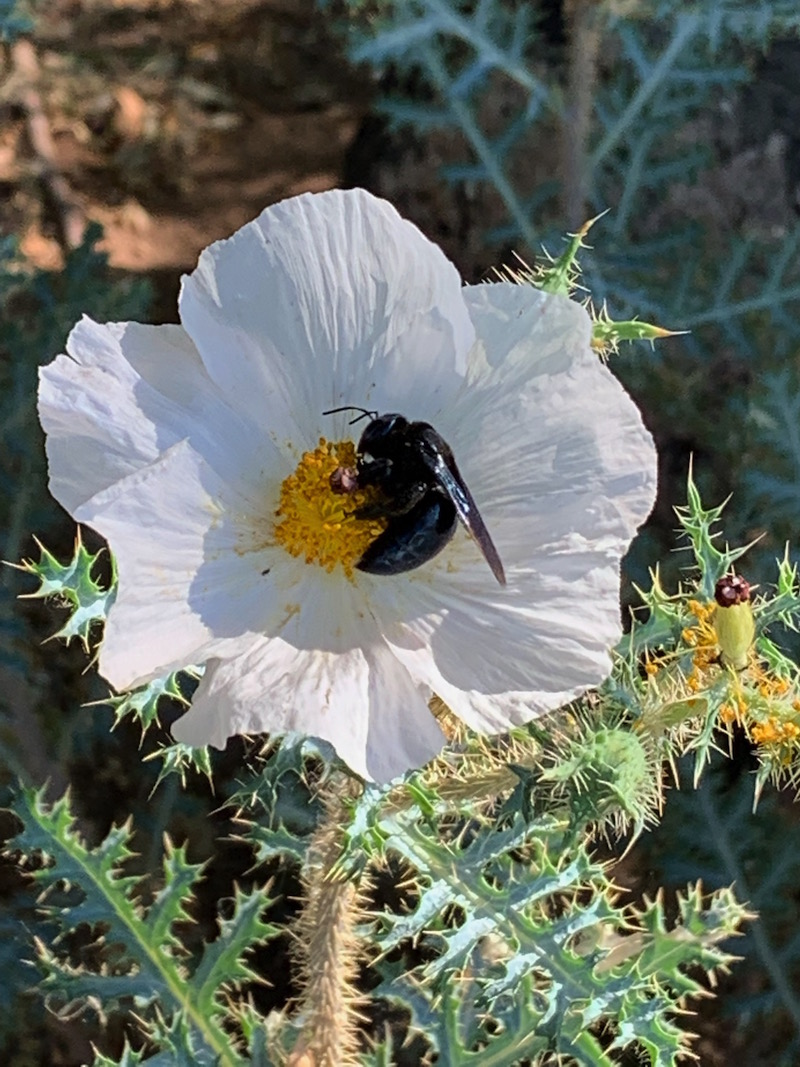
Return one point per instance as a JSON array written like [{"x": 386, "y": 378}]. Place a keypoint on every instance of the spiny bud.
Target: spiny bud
[{"x": 733, "y": 620}]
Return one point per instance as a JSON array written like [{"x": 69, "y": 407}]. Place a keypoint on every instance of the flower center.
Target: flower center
[{"x": 319, "y": 523}]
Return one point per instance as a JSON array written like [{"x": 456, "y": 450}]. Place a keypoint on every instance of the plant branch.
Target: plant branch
[
  {"x": 70, "y": 218},
  {"x": 584, "y": 19},
  {"x": 686, "y": 26},
  {"x": 772, "y": 965},
  {"x": 328, "y": 947}
]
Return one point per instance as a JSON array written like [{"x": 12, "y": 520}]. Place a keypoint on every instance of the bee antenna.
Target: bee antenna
[{"x": 365, "y": 413}]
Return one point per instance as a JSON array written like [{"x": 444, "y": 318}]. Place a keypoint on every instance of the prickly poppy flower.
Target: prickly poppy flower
[{"x": 201, "y": 452}]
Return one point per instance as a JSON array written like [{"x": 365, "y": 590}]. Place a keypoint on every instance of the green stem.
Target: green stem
[
  {"x": 741, "y": 307},
  {"x": 584, "y": 23}
]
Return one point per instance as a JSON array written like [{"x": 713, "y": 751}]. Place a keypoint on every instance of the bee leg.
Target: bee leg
[
  {"x": 374, "y": 471},
  {"x": 394, "y": 505},
  {"x": 370, "y": 511}
]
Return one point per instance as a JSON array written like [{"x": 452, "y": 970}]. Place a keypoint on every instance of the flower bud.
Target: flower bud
[{"x": 733, "y": 620}]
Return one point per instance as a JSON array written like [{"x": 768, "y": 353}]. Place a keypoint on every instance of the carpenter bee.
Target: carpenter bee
[{"x": 424, "y": 495}]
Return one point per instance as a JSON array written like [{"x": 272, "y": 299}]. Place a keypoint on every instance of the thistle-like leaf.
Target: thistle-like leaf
[
  {"x": 143, "y": 958},
  {"x": 73, "y": 585}
]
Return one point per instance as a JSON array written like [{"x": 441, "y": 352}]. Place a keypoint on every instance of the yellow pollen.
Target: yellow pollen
[
  {"x": 702, "y": 612},
  {"x": 773, "y": 731},
  {"x": 318, "y": 524},
  {"x": 727, "y": 714}
]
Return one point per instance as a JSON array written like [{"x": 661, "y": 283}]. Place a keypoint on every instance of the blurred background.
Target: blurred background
[{"x": 134, "y": 132}]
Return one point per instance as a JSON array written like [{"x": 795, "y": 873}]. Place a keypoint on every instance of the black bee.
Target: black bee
[{"x": 424, "y": 495}]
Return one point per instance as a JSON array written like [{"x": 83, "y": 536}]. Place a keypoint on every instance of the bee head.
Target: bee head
[{"x": 381, "y": 433}]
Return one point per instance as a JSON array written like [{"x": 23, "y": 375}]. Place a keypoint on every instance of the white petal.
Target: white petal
[
  {"x": 326, "y": 300},
  {"x": 544, "y": 428},
  {"x": 123, "y": 395},
  {"x": 363, "y": 702},
  {"x": 563, "y": 471},
  {"x": 190, "y": 577},
  {"x": 501, "y": 658}
]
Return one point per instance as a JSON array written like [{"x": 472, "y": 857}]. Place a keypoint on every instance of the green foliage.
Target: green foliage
[
  {"x": 509, "y": 941},
  {"x": 712, "y": 832},
  {"x": 276, "y": 802},
  {"x": 521, "y": 948},
  {"x": 37, "y": 309},
  {"x": 457, "y": 48},
  {"x": 688, "y": 692},
  {"x": 140, "y": 956},
  {"x": 75, "y": 586}
]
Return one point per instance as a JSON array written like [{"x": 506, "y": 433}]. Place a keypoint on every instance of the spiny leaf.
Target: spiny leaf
[
  {"x": 140, "y": 946},
  {"x": 559, "y": 275},
  {"x": 142, "y": 704},
  {"x": 607, "y": 335},
  {"x": 129, "y": 1058},
  {"x": 698, "y": 524},
  {"x": 73, "y": 586},
  {"x": 223, "y": 964},
  {"x": 179, "y": 759}
]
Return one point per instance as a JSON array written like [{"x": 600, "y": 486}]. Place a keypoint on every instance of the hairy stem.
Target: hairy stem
[
  {"x": 584, "y": 33},
  {"x": 328, "y": 950}
]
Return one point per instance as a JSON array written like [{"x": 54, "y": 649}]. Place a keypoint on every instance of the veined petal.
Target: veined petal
[
  {"x": 192, "y": 582},
  {"x": 124, "y": 394},
  {"x": 564, "y": 472},
  {"x": 362, "y": 701},
  {"x": 531, "y": 648},
  {"x": 328, "y": 300},
  {"x": 544, "y": 429}
]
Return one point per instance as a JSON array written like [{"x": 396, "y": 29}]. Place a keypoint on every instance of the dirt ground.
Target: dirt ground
[{"x": 173, "y": 122}]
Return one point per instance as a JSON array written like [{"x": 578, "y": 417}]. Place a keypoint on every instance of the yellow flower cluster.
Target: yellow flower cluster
[
  {"x": 319, "y": 523},
  {"x": 774, "y": 732},
  {"x": 762, "y": 702},
  {"x": 703, "y": 639}
]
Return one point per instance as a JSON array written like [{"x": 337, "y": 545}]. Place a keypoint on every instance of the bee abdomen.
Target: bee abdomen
[{"x": 412, "y": 538}]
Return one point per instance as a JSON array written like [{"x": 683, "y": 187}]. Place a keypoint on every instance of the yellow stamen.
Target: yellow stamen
[
  {"x": 318, "y": 524},
  {"x": 702, "y": 612},
  {"x": 773, "y": 731},
  {"x": 727, "y": 714}
]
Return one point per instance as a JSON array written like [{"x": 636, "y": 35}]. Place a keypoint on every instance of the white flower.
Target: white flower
[{"x": 180, "y": 443}]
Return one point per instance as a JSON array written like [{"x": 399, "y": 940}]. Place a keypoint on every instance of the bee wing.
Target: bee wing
[{"x": 439, "y": 459}]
